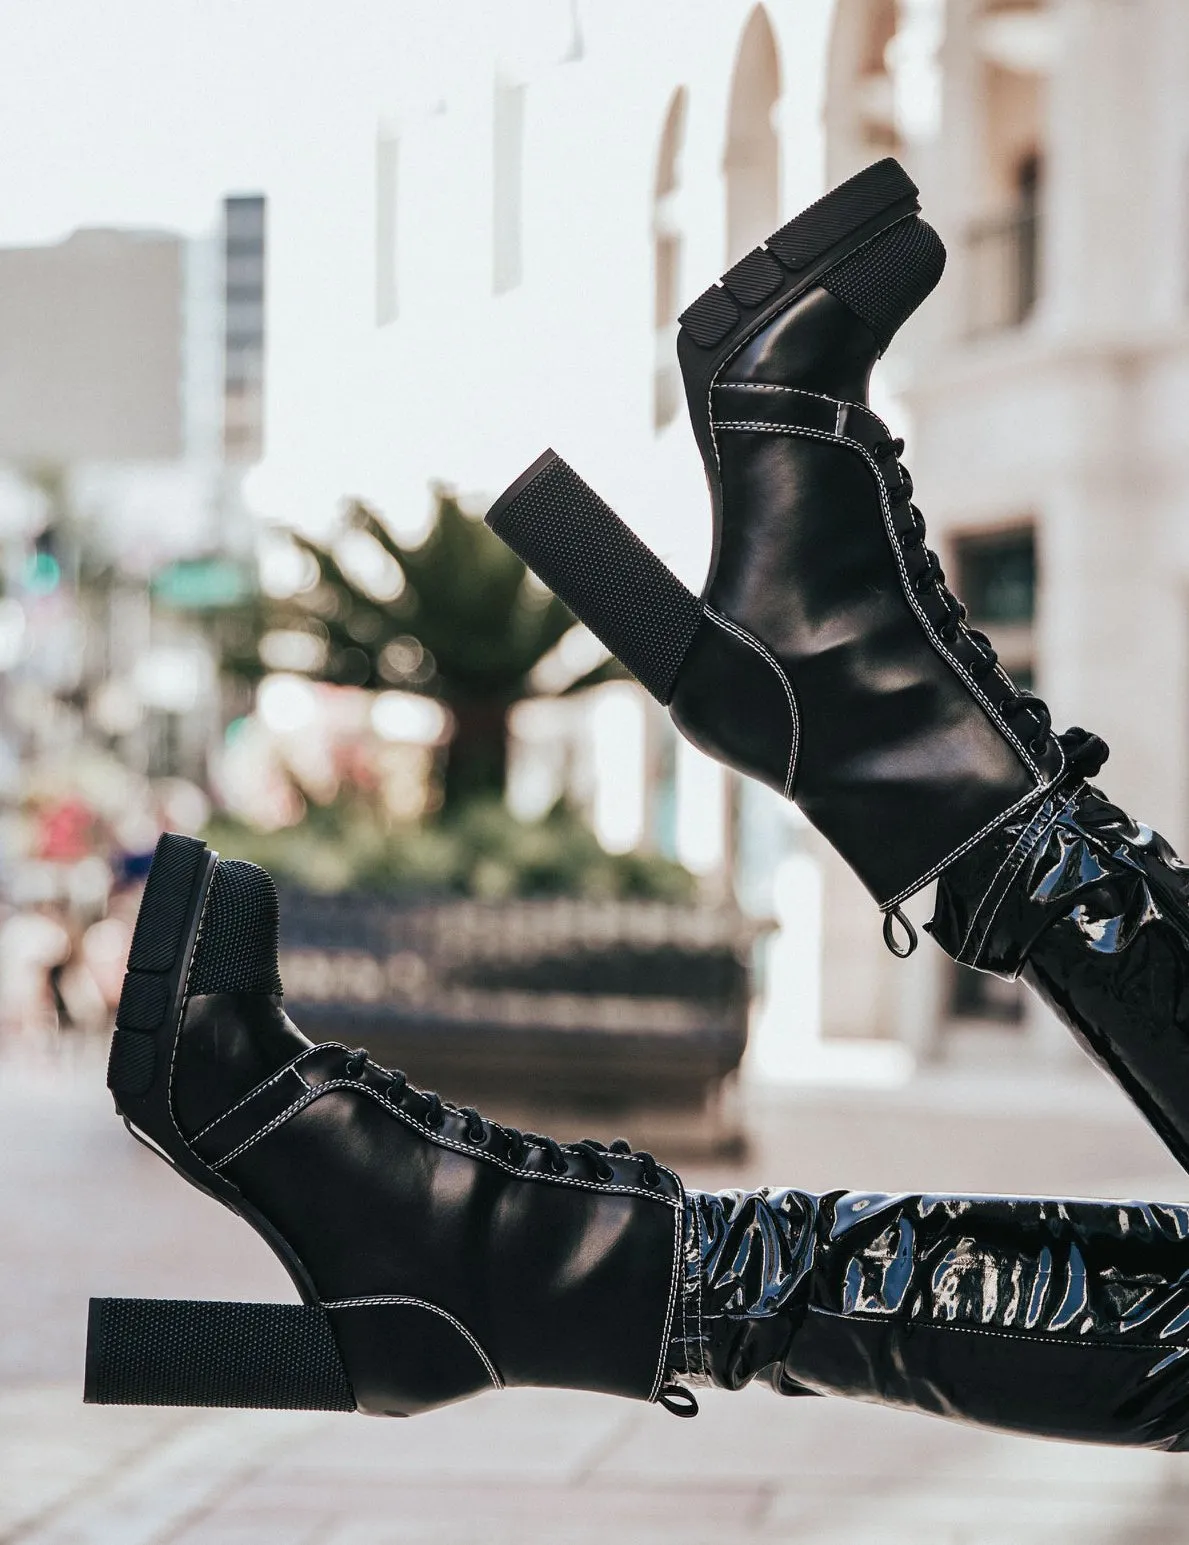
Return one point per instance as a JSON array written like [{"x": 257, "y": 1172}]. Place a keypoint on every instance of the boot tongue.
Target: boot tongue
[
  {"x": 885, "y": 281},
  {"x": 235, "y": 1033}
]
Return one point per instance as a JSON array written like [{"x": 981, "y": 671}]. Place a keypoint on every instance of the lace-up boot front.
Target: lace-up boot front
[{"x": 437, "y": 1254}]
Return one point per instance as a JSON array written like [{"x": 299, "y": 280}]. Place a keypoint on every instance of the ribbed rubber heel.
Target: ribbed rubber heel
[
  {"x": 179, "y": 1352},
  {"x": 601, "y": 569}
]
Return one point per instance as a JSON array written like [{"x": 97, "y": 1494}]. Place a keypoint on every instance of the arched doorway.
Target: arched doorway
[
  {"x": 860, "y": 94},
  {"x": 666, "y": 260},
  {"x": 751, "y": 165}
]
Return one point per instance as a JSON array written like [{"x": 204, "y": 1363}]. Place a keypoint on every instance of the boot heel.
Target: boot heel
[
  {"x": 600, "y": 568},
  {"x": 177, "y": 1352}
]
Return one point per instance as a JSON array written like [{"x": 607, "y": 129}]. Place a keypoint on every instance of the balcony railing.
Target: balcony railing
[{"x": 1003, "y": 267}]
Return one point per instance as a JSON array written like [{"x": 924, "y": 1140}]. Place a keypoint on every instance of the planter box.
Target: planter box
[{"x": 533, "y": 1007}]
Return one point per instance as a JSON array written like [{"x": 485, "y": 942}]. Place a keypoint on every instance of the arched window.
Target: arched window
[
  {"x": 666, "y": 247},
  {"x": 1015, "y": 55},
  {"x": 751, "y": 165}
]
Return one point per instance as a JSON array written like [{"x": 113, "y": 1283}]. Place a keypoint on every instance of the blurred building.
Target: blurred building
[
  {"x": 131, "y": 405},
  {"x": 517, "y": 225},
  {"x": 507, "y": 233}
]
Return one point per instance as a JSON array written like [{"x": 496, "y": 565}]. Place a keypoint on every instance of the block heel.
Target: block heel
[
  {"x": 599, "y": 567},
  {"x": 178, "y": 1352}
]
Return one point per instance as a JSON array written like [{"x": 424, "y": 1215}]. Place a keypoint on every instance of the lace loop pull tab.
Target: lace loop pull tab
[
  {"x": 901, "y": 947},
  {"x": 678, "y": 1400}
]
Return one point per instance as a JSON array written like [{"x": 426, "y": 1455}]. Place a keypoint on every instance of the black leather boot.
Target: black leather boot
[
  {"x": 1064, "y": 1319},
  {"x": 1091, "y": 909},
  {"x": 436, "y": 1254},
  {"x": 825, "y": 655}
]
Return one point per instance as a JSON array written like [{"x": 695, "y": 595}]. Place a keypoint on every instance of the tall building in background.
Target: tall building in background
[
  {"x": 131, "y": 406},
  {"x": 243, "y": 332},
  {"x": 92, "y": 349}
]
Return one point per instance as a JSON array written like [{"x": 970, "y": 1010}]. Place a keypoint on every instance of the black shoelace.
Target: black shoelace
[
  {"x": 517, "y": 1145},
  {"x": 479, "y": 1130},
  {"x": 1084, "y": 751}
]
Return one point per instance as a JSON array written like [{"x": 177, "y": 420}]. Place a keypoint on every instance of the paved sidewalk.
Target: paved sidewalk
[{"x": 83, "y": 1210}]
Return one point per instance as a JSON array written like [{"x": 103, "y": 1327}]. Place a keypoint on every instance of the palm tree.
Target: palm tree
[{"x": 468, "y": 627}]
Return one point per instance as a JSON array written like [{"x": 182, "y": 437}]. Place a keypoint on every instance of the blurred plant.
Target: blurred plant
[
  {"x": 482, "y": 850},
  {"x": 457, "y": 618}
]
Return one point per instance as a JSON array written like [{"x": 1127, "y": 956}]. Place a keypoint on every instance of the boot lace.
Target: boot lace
[
  {"x": 517, "y": 1144},
  {"x": 1084, "y": 751}
]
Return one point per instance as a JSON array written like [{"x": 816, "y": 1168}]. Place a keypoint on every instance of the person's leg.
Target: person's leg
[
  {"x": 1091, "y": 909},
  {"x": 439, "y": 1254},
  {"x": 1060, "y": 1318}
]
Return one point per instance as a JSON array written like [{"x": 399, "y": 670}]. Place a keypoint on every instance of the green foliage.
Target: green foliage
[
  {"x": 468, "y": 627},
  {"x": 482, "y": 851}
]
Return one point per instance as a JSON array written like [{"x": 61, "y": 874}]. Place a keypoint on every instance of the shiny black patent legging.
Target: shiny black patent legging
[{"x": 1062, "y": 1318}]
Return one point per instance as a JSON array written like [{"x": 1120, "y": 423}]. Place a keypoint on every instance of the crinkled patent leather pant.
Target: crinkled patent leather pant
[{"x": 1062, "y": 1318}]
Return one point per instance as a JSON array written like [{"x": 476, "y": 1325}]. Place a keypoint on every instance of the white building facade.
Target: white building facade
[{"x": 488, "y": 252}]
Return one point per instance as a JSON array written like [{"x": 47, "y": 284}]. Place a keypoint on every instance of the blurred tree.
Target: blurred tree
[{"x": 457, "y": 618}]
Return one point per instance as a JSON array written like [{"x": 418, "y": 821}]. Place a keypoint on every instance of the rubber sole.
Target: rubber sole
[
  {"x": 148, "y": 1022},
  {"x": 775, "y": 274},
  {"x": 601, "y": 569},
  {"x": 174, "y": 1352}
]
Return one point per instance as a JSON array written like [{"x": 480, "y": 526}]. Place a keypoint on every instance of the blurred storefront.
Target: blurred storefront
[{"x": 131, "y": 394}]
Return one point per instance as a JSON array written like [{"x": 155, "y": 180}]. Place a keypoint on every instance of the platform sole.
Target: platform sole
[{"x": 148, "y": 1022}]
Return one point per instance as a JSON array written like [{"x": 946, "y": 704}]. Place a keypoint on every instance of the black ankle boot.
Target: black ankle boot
[
  {"x": 1091, "y": 910},
  {"x": 436, "y": 1254},
  {"x": 825, "y": 656},
  {"x": 1063, "y": 1319}
]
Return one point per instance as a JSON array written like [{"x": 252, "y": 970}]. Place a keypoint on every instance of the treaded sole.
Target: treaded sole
[
  {"x": 792, "y": 256},
  {"x": 771, "y": 277},
  {"x": 155, "y": 961},
  {"x": 148, "y": 1022},
  {"x": 181, "y": 1352}
]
